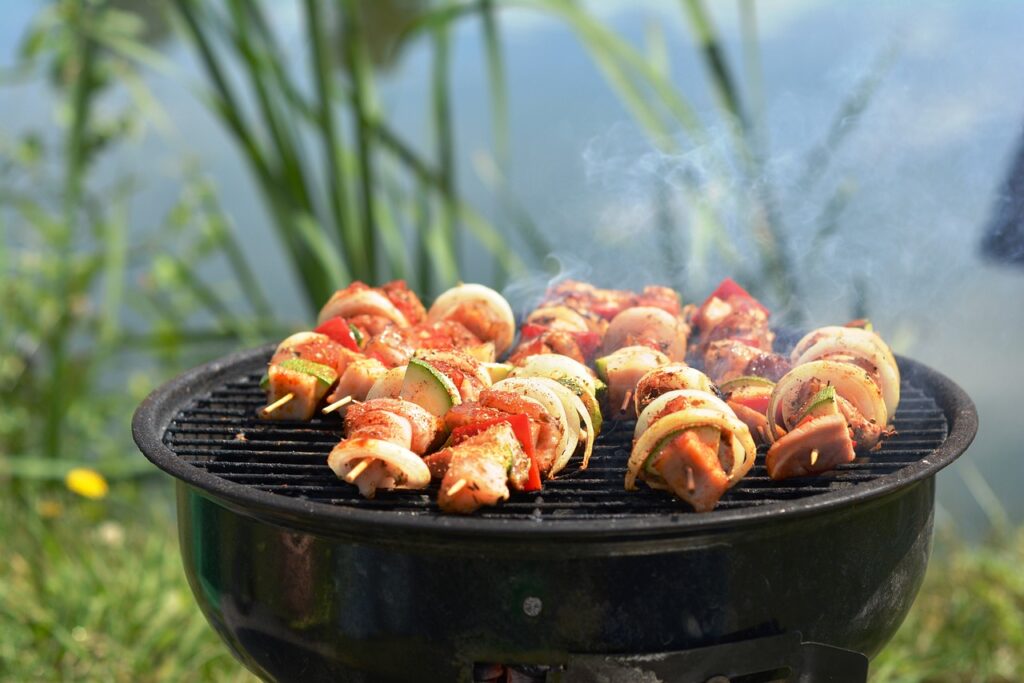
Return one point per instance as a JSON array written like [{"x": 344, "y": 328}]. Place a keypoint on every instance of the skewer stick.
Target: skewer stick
[
  {"x": 625, "y": 401},
  {"x": 360, "y": 467},
  {"x": 278, "y": 403},
  {"x": 814, "y": 456},
  {"x": 337, "y": 404},
  {"x": 456, "y": 487},
  {"x": 691, "y": 485}
]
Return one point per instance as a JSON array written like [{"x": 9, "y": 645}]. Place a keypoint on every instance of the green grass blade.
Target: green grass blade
[
  {"x": 362, "y": 100},
  {"x": 337, "y": 178},
  {"x": 714, "y": 59},
  {"x": 445, "y": 145},
  {"x": 321, "y": 249},
  {"x": 497, "y": 86}
]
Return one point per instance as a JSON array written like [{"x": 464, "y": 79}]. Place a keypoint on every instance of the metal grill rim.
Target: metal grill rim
[{"x": 191, "y": 426}]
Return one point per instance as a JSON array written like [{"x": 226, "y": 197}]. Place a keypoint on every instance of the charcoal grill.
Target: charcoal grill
[{"x": 797, "y": 580}]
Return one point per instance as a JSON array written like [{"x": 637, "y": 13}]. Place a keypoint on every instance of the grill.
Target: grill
[{"x": 304, "y": 578}]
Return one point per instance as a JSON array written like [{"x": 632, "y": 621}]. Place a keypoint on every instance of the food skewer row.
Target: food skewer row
[
  {"x": 631, "y": 332},
  {"x": 375, "y": 332},
  {"x": 545, "y": 424}
]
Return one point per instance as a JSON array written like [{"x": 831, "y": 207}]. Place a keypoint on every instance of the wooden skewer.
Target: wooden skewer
[
  {"x": 814, "y": 457},
  {"x": 278, "y": 403},
  {"x": 360, "y": 467},
  {"x": 337, "y": 404},
  {"x": 625, "y": 401},
  {"x": 456, "y": 487},
  {"x": 691, "y": 485}
]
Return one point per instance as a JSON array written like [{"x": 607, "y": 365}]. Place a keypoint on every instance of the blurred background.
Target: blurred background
[{"x": 181, "y": 179}]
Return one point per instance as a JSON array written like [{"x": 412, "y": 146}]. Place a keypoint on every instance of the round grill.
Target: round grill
[{"x": 203, "y": 429}]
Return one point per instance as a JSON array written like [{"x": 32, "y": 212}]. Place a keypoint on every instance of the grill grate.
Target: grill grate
[{"x": 219, "y": 432}]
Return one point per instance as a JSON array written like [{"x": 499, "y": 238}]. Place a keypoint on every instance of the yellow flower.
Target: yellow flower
[{"x": 86, "y": 482}]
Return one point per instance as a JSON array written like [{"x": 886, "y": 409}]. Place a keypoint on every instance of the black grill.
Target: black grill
[{"x": 218, "y": 432}]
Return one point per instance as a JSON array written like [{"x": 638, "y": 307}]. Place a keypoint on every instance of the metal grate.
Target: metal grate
[{"x": 218, "y": 432}]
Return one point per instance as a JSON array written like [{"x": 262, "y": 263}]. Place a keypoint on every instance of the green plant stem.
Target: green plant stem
[
  {"x": 77, "y": 159},
  {"x": 441, "y": 99},
  {"x": 356, "y": 55},
  {"x": 337, "y": 186}
]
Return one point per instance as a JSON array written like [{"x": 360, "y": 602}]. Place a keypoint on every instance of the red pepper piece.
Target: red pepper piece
[
  {"x": 531, "y": 330},
  {"x": 588, "y": 342},
  {"x": 339, "y": 330},
  {"x": 755, "y": 403},
  {"x": 729, "y": 288},
  {"x": 520, "y": 424}
]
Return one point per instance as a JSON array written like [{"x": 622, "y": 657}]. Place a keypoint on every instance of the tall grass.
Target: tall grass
[{"x": 349, "y": 197}]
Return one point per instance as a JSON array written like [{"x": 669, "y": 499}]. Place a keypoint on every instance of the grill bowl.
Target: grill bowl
[{"x": 303, "y": 579}]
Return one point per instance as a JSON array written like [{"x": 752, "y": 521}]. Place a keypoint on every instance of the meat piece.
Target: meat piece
[
  {"x": 379, "y": 424},
  {"x": 756, "y": 422},
  {"x": 769, "y": 365},
  {"x": 825, "y": 440},
  {"x": 660, "y": 297},
  {"x": 391, "y": 347},
  {"x": 358, "y": 378},
  {"x": 478, "y": 469},
  {"x": 688, "y": 465},
  {"x": 307, "y": 391},
  {"x": 443, "y": 335},
  {"x": 622, "y": 370},
  {"x": 727, "y": 359},
  {"x": 405, "y": 300},
  {"x": 668, "y": 378},
  {"x": 866, "y": 433},
  {"x": 425, "y": 429},
  {"x": 586, "y": 298},
  {"x": 549, "y": 341}
]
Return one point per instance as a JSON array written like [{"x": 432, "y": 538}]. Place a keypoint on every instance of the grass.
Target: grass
[{"x": 94, "y": 591}]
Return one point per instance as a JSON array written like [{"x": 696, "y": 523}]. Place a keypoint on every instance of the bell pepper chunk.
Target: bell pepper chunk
[
  {"x": 340, "y": 331},
  {"x": 728, "y": 288}
]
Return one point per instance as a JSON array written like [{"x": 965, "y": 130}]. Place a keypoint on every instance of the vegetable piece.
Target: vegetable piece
[
  {"x": 647, "y": 324},
  {"x": 694, "y": 398},
  {"x": 749, "y": 391},
  {"x": 347, "y": 304},
  {"x": 821, "y": 404},
  {"x": 340, "y": 331},
  {"x": 388, "y": 386},
  {"x": 557, "y": 367},
  {"x": 393, "y": 466},
  {"x": 483, "y": 311},
  {"x": 326, "y": 375},
  {"x": 498, "y": 371},
  {"x": 859, "y": 345},
  {"x": 429, "y": 388},
  {"x": 728, "y": 288},
  {"x": 520, "y": 427}
]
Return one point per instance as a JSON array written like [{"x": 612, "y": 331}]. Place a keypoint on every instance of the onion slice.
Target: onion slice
[
  {"x": 852, "y": 382},
  {"x": 861, "y": 344},
  {"x": 573, "y": 405},
  {"x": 695, "y": 399},
  {"x": 365, "y": 302},
  {"x": 557, "y": 366},
  {"x": 404, "y": 469},
  {"x": 482, "y": 310}
]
